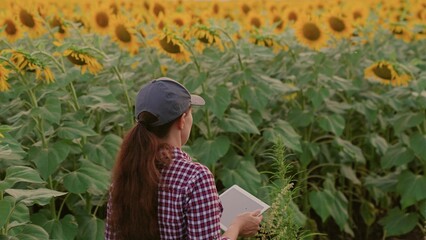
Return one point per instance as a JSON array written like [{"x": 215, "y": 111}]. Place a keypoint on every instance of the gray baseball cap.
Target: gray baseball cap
[{"x": 166, "y": 99}]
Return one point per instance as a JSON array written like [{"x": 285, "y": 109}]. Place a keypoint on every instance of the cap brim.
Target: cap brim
[{"x": 197, "y": 100}]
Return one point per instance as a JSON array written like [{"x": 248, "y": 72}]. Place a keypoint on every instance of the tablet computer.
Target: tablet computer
[{"x": 235, "y": 201}]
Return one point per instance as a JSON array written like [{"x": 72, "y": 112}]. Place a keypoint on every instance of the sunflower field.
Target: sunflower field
[{"x": 316, "y": 107}]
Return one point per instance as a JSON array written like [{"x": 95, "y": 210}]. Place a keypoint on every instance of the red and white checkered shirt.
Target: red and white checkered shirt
[{"x": 188, "y": 203}]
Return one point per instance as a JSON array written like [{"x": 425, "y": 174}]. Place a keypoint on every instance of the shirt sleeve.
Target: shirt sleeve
[{"x": 203, "y": 207}]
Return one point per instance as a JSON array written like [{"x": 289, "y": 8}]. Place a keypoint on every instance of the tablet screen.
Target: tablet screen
[{"x": 235, "y": 201}]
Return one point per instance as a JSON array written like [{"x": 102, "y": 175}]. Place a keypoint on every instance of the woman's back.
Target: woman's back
[{"x": 188, "y": 203}]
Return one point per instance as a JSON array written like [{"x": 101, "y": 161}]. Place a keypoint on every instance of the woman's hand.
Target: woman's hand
[{"x": 248, "y": 223}]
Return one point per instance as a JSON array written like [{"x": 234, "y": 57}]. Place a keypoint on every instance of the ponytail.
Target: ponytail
[{"x": 135, "y": 180}]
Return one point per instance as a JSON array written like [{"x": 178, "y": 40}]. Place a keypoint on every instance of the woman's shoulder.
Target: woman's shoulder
[
  {"x": 183, "y": 170},
  {"x": 183, "y": 160}
]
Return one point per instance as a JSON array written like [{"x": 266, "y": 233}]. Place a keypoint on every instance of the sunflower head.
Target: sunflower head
[
  {"x": 309, "y": 32},
  {"x": 291, "y": 14},
  {"x": 158, "y": 8},
  {"x": 26, "y": 63},
  {"x": 206, "y": 36},
  {"x": 419, "y": 31},
  {"x": 12, "y": 28},
  {"x": 337, "y": 24},
  {"x": 61, "y": 29},
  {"x": 244, "y": 7},
  {"x": 253, "y": 21},
  {"x": 290, "y": 96},
  {"x": 29, "y": 18},
  {"x": 265, "y": 40},
  {"x": 22, "y": 59},
  {"x": 124, "y": 33},
  {"x": 100, "y": 18},
  {"x": 83, "y": 59},
  {"x": 171, "y": 44},
  {"x": 385, "y": 73},
  {"x": 278, "y": 22},
  {"x": 357, "y": 13},
  {"x": 4, "y": 76},
  {"x": 401, "y": 32}
]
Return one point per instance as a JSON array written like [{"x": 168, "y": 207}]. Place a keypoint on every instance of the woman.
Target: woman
[{"x": 157, "y": 191}]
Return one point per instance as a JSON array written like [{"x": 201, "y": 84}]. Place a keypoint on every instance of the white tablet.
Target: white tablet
[{"x": 235, "y": 201}]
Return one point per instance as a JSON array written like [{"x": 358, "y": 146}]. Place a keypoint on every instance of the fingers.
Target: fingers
[{"x": 256, "y": 213}]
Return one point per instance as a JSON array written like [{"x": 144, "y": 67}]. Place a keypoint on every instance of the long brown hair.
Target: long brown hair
[{"x": 135, "y": 179}]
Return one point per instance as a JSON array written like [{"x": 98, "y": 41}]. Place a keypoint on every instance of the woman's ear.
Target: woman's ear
[{"x": 181, "y": 121}]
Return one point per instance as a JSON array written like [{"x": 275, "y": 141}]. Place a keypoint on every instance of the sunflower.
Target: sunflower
[
  {"x": 124, "y": 33},
  {"x": 27, "y": 63},
  {"x": 146, "y": 4},
  {"x": 290, "y": 96},
  {"x": 4, "y": 75},
  {"x": 180, "y": 20},
  {"x": 253, "y": 21},
  {"x": 29, "y": 19},
  {"x": 265, "y": 40},
  {"x": 291, "y": 14},
  {"x": 160, "y": 22},
  {"x": 310, "y": 33},
  {"x": 83, "y": 59},
  {"x": 401, "y": 32},
  {"x": 61, "y": 29},
  {"x": 278, "y": 22},
  {"x": 228, "y": 15},
  {"x": 385, "y": 73},
  {"x": 42, "y": 72},
  {"x": 81, "y": 21},
  {"x": 216, "y": 8},
  {"x": 418, "y": 12},
  {"x": 419, "y": 30},
  {"x": 100, "y": 19},
  {"x": 12, "y": 28},
  {"x": 357, "y": 13},
  {"x": 244, "y": 6},
  {"x": 164, "y": 69},
  {"x": 273, "y": 7},
  {"x": 114, "y": 8},
  {"x": 171, "y": 44},
  {"x": 158, "y": 8},
  {"x": 206, "y": 36},
  {"x": 338, "y": 25},
  {"x": 44, "y": 8}
]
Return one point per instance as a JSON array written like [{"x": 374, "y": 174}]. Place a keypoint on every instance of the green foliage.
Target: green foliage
[
  {"x": 283, "y": 220},
  {"x": 357, "y": 146}
]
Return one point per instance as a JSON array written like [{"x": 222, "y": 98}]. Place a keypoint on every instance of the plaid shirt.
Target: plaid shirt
[{"x": 188, "y": 203}]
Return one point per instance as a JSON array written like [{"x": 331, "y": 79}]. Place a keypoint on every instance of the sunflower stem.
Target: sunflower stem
[
  {"x": 147, "y": 50},
  {"x": 60, "y": 67},
  {"x": 6, "y": 43},
  {"x": 62, "y": 206},
  {"x": 98, "y": 205},
  {"x": 10, "y": 63},
  {"x": 52, "y": 201},
  {"x": 95, "y": 50},
  {"x": 34, "y": 104},
  {"x": 207, "y": 115},
  {"x": 234, "y": 46},
  {"x": 78, "y": 31},
  {"x": 5, "y": 229},
  {"x": 74, "y": 96},
  {"x": 192, "y": 53},
  {"x": 29, "y": 42},
  {"x": 49, "y": 28},
  {"x": 292, "y": 54},
  {"x": 129, "y": 104}
]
